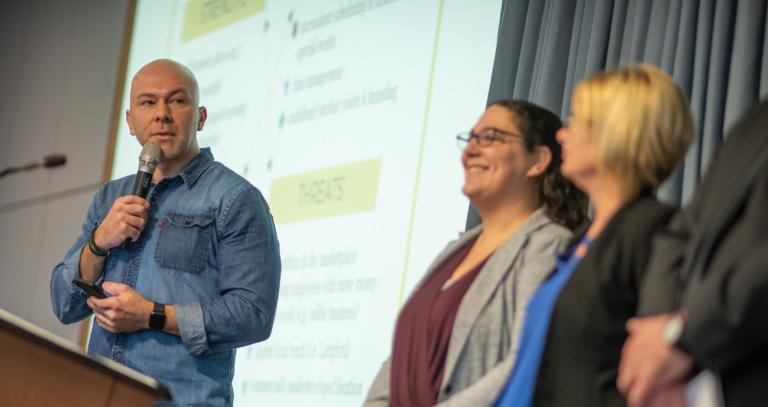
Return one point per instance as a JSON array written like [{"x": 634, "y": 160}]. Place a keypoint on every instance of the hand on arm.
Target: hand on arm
[
  {"x": 649, "y": 365},
  {"x": 127, "y": 311},
  {"x": 125, "y": 220}
]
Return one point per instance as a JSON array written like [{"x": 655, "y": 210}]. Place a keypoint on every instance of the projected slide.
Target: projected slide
[{"x": 343, "y": 113}]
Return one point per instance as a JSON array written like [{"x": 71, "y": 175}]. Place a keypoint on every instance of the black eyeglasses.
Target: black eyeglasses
[{"x": 486, "y": 138}]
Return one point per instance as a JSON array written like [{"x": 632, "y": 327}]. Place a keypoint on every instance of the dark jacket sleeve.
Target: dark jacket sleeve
[
  {"x": 728, "y": 313},
  {"x": 637, "y": 238},
  {"x": 661, "y": 290},
  {"x": 728, "y": 306}
]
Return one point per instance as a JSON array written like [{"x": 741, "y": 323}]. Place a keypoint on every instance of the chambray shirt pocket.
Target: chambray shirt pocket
[{"x": 184, "y": 242}]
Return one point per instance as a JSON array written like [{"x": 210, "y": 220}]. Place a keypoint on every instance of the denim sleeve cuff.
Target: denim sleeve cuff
[
  {"x": 68, "y": 300},
  {"x": 70, "y": 268},
  {"x": 189, "y": 318}
]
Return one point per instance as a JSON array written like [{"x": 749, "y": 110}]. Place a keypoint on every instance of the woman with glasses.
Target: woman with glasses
[
  {"x": 456, "y": 337},
  {"x": 628, "y": 130}
]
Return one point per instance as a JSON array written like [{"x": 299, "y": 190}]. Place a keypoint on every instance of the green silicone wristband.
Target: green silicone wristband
[{"x": 95, "y": 249}]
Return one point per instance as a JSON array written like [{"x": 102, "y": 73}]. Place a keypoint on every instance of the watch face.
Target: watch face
[
  {"x": 673, "y": 330},
  {"x": 157, "y": 317}
]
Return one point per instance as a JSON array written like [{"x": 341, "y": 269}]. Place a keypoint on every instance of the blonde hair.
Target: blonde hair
[{"x": 639, "y": 120}]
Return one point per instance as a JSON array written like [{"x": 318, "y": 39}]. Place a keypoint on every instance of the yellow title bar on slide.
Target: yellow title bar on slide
[
  {"x": 342, "y": 190},
  {"x": 204, "y": 16}
]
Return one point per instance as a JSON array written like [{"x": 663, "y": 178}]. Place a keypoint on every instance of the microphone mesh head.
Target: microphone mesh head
[
  {"x": 151, "y": 151},
  {"x": 149, "y": 158}
]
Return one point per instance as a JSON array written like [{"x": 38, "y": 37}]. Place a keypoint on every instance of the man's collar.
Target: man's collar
[{"x": 195, "y": 168}]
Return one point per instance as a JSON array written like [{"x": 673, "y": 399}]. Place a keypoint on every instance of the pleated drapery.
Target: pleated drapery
[{"x": 716, "y": 50}]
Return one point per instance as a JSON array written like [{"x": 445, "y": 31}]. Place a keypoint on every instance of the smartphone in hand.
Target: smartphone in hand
[{"x": 91, "y": 289}]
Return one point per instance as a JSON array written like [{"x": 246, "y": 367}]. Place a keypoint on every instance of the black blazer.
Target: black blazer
[
  {"x": 587, "y": 329},
  {"x": 724, "y": 288}
]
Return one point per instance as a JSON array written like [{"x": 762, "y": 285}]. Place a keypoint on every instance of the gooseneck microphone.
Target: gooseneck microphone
[
  {"x": 53, "y": 160},
  {"x": 148, "y": 160},
  {"x": 49, "y": 161}
]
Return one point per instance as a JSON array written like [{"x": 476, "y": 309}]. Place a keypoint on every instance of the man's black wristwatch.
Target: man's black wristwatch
[{"x": 157, "y": 317}]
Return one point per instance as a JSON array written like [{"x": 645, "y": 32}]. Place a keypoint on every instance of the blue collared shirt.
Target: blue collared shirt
[{"x": 210, "y": 249}]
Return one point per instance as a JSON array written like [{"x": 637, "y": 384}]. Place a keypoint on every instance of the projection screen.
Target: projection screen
[{"x": 344, "y": 114}]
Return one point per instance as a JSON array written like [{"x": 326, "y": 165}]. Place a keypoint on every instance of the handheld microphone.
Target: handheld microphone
[
  {"x": 49, "y": 161},
  {"x": 148, "y": 160}
]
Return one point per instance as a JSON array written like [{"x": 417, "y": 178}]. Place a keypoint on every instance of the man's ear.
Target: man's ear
[
  {"x": 129, "y": 120},
  {"x": 542, "y": 157},
  {"x": 202, "y": 116}
]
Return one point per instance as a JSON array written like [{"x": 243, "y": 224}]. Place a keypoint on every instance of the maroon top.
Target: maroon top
[{"x": 423, "y": 332}]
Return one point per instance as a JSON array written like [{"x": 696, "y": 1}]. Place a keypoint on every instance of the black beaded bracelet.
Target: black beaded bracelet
[{"x": 95, "y": 249}]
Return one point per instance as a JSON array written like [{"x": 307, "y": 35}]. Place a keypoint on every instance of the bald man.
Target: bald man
[{"x": 200, "y": 275}]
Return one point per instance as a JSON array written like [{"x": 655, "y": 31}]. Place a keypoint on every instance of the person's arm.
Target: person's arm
[
  {"x": 661, "y": 288},
  {"x": 378, "y": 394},
  {"x": 68, "y": 301},
  {"x": 125, "y": 310},
  {"x": 657, "y": 248},
  {"x": 248, "y": 256},
  {"x": 727, "y": 312},
  {"x": 649, "y": 365},
  {"x": 646, "y": 220},
  {"x": 728, "y": 306},
  {"x": 124, "y": 221},
  {"x": 724, "y": 317}
]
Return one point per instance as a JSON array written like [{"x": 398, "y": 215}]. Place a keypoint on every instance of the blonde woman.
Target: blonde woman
[{"x": 627, "y": 131}]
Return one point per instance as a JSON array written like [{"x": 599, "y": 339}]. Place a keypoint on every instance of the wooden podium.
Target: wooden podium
[{"x": 38, "y": 368}]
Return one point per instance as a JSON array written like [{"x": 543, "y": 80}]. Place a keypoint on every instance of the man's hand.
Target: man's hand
[
  {"x": 125, "y": 311},
  {"x": 125, "y": 220},
  {"x": 648, "y": 365}
]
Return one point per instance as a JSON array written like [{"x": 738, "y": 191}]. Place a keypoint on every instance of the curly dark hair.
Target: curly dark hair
[{"x": 563, "y": 202}]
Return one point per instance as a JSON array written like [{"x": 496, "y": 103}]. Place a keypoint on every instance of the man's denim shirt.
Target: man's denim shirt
[{"x": 210, "y": 249}]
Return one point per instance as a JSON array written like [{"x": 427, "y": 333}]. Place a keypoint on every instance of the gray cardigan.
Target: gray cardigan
[{"x": 484, "y": 340}]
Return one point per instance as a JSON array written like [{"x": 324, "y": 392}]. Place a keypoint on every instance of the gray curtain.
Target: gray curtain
[{"x": 717, "y": 50}]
